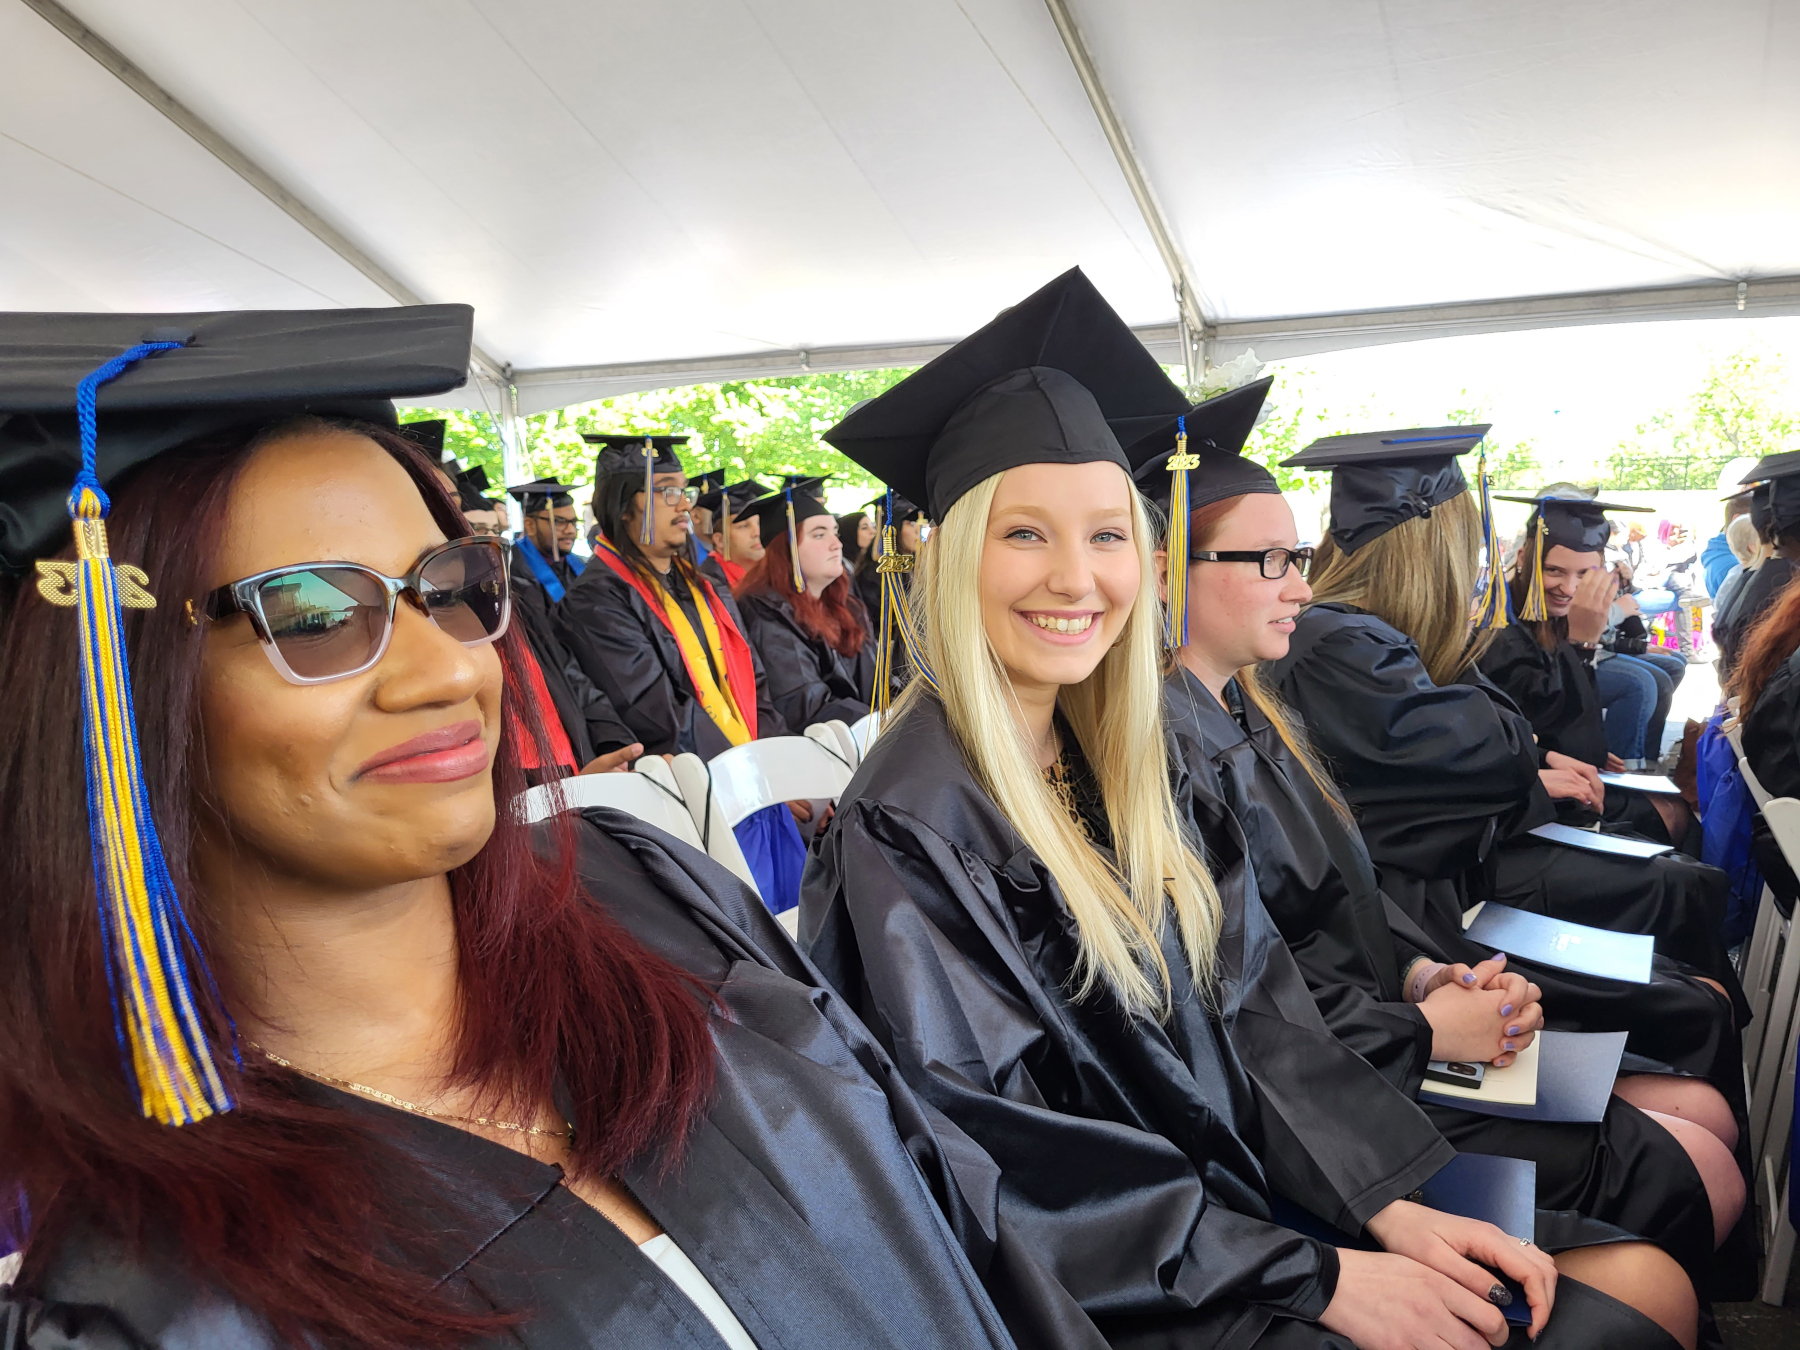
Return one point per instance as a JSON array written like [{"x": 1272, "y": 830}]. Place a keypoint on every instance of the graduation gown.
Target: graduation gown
[
  {"x": 1443, "y": 781},
  {"x": 806, "y": 1195},
  {"x": 1139, "y": 1163},
  {"x": 1558, "y": 693},
  {"x": 1761, "y": 589},
  {"x": 1770, "y": 730},
  {"x": 586, "y": 714},
  {"x": 808, "y": 680},
  {"x": 633, "y": 658},
  {"x": 1353, "y": 947}
]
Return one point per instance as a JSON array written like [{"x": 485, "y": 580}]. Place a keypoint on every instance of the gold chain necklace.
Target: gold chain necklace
[{"x": 568, "y": 1132}]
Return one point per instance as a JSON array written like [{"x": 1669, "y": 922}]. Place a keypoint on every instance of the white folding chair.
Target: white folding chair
[
  {"x": 749, "y": 777},
  {"x": 1770, "y": 1116},
  {"x": 835, "y": 736},
  {"x": 649, "y": 792},
  {"x": 864, "y": 733},
  {"x": 716, "y": 837}
]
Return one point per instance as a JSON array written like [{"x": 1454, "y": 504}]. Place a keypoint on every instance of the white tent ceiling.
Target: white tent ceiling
[{"x": 636, "y": 193}]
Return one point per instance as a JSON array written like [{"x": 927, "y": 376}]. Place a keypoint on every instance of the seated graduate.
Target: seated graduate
[
  {"x": 1561, "y": 595},
  {"x": 381, "y": 1066},
  {"x": 1775, "y": 508},
  {"x": 1766, "y": 683},
  {"x": 544, "y": 552},
  {"x": 855, "y": 532},
  {"x": 1010, "y": 899},
  {"x": 735, "y": 541},
  {"x": 802, "y": 616},
  {"x": 1438, "y": 764},
  {"x": 1385, "y": 988}
]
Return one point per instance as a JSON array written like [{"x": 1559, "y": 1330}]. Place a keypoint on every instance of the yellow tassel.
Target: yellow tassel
[
  {"x": 794, "y": 545},
  {"x": 1175, "y": 612},
  {"x": 647, "y": 527},
  {"x": 1535, "y": 610},
  {"x": 1491, "y": 605}
]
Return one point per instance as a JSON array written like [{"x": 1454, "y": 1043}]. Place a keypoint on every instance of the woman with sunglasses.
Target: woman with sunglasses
[
  {"x": 320, "y": 1045},
  {"x": 1011, "y": 901},
  {"x": 1384, "y": 988},
  {"x": 803, "y": 618}
]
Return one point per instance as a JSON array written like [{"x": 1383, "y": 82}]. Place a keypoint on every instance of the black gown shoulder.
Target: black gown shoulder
[
  {"x": 812, "y": 1195},
  {"x": 808, "y": 680},
  {"x": 1164, "y": 1145},
  {"x": 1771, "y": 729},
  {"x": 1554, "y": 688},
  {"x": 586, "y": 713}
]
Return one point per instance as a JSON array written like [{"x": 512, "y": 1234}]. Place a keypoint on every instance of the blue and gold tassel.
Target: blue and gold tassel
[
  {"x": 1535, "y": 609},
  {"x": 891, "y": 566},
  {"x": 794, "y": 545},
  {"x": 1491, "y": 601},
  {"x": 647, "y": 527},
  {"x": 1175, "y": 611},
  {"x": 156, "y": 1011}
]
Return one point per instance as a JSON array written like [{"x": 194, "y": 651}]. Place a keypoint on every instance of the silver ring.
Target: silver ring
[{"x": 1524, "y": 1242}]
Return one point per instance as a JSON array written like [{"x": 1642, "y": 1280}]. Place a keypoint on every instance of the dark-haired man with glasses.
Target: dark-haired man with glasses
[{"x": 543, "y": 550}]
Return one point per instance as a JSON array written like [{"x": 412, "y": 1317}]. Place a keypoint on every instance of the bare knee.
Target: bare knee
[
  {"x": 1643, "y": 1277},
  {"x": 1717, "y": 1168},
  {"x": 1685, "y": 1098}
]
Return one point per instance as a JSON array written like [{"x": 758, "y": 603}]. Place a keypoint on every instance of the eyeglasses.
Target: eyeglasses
[
  {"x": 1273, "y": 561},
  {"x": 485, "y": 531},
  {"x": 328, "y": 621},
  {"x": 672, "y": 495}
]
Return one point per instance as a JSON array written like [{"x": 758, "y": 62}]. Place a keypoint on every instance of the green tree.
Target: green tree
[
  {"x": 747, "y": 428},
  {"x": 1742, "y": 408}
]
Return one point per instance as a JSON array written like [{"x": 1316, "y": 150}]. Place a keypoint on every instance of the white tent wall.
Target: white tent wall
[{"x": 639, "y": 194}]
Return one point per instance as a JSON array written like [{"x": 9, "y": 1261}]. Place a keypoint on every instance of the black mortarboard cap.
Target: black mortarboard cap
[
  {"x": 1057, "y": 379},
  {"x": 740, "y": 495},
  {"x": 622, "y": 454},
  {"x": 1381, "y": 479},
  {"x": 1773, "y": 466},
  {"x": 238, "y": 369},
  {"x": 771, "y": 512},
  {"x": 1216, "y": 432},
  {"x": 1775, "y": 503},
  {"x": 543, "y": 494},
  {"x": 471, "y": 488},
  {"x": 1577, "y": 523},
  {"x": 904, "y": 510},
  {"x": 706, "y": 485},
  {"x": 813, "y": 485},
  {"x": 427, "y": 435}
]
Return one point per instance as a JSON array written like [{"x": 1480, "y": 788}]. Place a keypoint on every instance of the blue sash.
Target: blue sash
[{"x": 541, "y": 569}]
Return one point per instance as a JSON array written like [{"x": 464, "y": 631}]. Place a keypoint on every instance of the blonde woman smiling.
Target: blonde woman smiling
[{"x": 1010, "y": 901}]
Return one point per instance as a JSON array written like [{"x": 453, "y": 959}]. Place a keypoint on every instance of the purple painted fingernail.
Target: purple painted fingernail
[
  {"x": 1468, "y": 979},
  {"x": 1500, "y": 956},
  {"x": 1506, "y": 1011},
  {"x": 1509, "y": 1045},
  {"x": 1512, "y": 1031}
]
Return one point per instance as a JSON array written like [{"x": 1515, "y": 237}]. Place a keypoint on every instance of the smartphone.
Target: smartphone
[{"x": 1455, "y": 1071}]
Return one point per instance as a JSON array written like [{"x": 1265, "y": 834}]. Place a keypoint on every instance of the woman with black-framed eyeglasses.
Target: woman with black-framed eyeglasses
[{"x": 310, "y": 1040}]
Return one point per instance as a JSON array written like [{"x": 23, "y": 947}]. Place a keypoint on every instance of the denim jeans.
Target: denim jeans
[{"x": 1635, "y": 693}]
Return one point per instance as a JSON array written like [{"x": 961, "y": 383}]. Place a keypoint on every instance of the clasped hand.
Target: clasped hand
[
  {"x": 1481, "y": 1013},
  {"x": 1572, "y": 779},
  {"x": 1426, "y": 1289}
]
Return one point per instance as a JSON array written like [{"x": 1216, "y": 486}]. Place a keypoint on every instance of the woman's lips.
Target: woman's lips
[
  {"x": 1065, "y": 628},
  {"x": 442, "y": 756}
]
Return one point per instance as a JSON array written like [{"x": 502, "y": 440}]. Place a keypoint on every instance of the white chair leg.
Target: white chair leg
[
  {"x": 1758, "y": 967},
  {"x": 1775, "y": 1034},
  {"x": 1780, "y": 1248}
]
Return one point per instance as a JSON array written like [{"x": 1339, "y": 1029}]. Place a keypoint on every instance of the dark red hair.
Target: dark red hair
[
  {"x": 293, "y": 1208},
  {"x": 1771, "y": 640},
  {"x": 835, "y": 617}
]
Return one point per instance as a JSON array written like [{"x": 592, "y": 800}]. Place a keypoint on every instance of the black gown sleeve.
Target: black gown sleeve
[
  {"x": 587, "y": 715},
  {"x": 1530, "y": 677},
  {"x": 1771, "y": 729},
  {"x": 606, "y": 627},
  {"x": 1434, "y": 773}
]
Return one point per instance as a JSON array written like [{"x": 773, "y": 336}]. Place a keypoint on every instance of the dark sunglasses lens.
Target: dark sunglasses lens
[
  {"x": 465, "y": 592},
  {"x": 326, "y": 620}
]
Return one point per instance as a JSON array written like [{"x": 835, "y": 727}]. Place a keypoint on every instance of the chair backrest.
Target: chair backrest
[
  {"x": 716, "y": 837},
  {"x": 650, "y": 794},
  {"x": 748, "y": 777},
  {"x": 836, "y": 738},
  {"x": 1783, "y": 815},
  {"x": 864, "y": 732}
]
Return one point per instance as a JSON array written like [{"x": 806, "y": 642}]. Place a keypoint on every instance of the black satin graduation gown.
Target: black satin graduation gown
[
  {"x": 1758, "y": 592},
  {"x": 1353, "y": 947},
  {"x": 1771, "y": 729},
  {"x": 806, "y": 1195},
  {"x": 1443, "y": 780},
  {"x": 1558, "y": 693},
  {"x": 1139, "y": 1163},
  {"x": 808, "y": 680},
  {"x": 634, "y": 659},
  {"x": 586, "y": 714}
]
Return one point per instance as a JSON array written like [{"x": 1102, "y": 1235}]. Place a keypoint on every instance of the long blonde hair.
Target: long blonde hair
[
  {"x": 1116, "y": 715},
  {"x": 1419, "y": 577}
]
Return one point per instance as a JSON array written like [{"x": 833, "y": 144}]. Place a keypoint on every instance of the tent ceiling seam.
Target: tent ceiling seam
[{"x": 135, "y": 78}]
